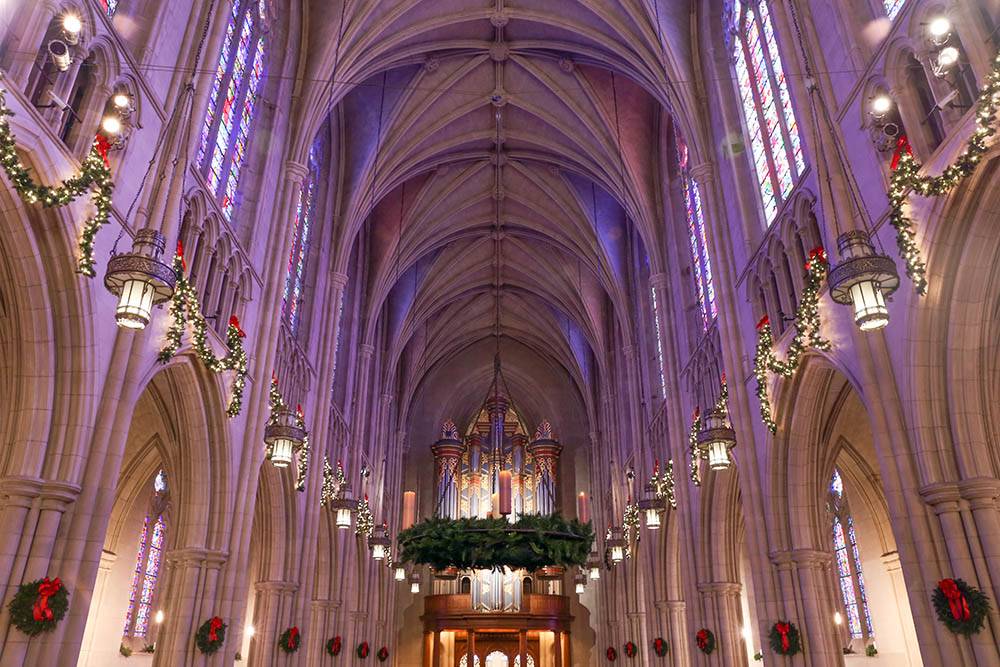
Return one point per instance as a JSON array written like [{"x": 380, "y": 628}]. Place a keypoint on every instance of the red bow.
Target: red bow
[
  {"x": 763, "y": 322},
  {"x": 697, "y": 413},
  {"x": 611, "y": 654},
  {"x": 817, "y": 253},
  {"x": 293, "y": 637},
  {"x": 702, "y": 638},
  {"x": 102, "y": 146},
  {"x": 723, "y": 378},
  {"x": 214, "y": 626},
  {"x": 335, "y": 648},
  {"x": 902, "y": 146},
  {"x": 383, "y": 653},
  {"x": 658, "y": 645},
  {"x": 40, "y": 610},
  {"x": 783, "y": 630},
  {"x": 180, "y": 254},
  {"x": 630, "y": 649},
  {"x": 956, "y": 599},
  {"x": 363, "y": 651},
  {"x": 235, "y": 322}
]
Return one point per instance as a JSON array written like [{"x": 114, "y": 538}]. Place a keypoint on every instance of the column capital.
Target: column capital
[
  {"x": 296, "y": 171},
  {"x": 981, "y": 492},
  {"x": 891, "y": 561},
  {"x": 325, "y": 605},
  {"x": 703, "y": 172},
  {"x": 213, "y": 559},
  {"x": 20, "y": 490},
  {"x": 57, "y": 495},
  {"x": 276, "y": 586},
  {"x": 719, "y": 588},
  {"x": 941, "y": 496}
]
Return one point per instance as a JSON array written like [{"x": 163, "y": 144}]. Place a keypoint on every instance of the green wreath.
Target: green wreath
[
  {"x": 961, "y": 607},
  {"x": 705, "y": 641},
  {"x": 785, "y": 638},
  {"x": 213, "y": 627},
  {"x": 363, "y": 650},
  {"x": 290, "y": 640},
  {"x": 38, "y": 606},
  {"x": 333, "y": 645}
]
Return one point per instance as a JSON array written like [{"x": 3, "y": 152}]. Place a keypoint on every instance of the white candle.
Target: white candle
[
  {"x": 583, "y": 508},
  {"x": 409, "y": 509}
]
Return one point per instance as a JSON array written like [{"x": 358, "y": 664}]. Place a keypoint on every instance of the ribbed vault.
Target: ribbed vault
[{"x": 460, "y": 121}]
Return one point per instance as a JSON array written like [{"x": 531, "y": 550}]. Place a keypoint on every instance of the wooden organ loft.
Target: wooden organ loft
[{"x": 485, "y": 618}]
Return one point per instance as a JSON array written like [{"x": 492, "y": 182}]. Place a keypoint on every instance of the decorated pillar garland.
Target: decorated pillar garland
[
  {"x": 366, "y": 522},
  {"x": 663, "y": 484},
  {"x": 95, "y": 173},
  {"x": 334, "y": 483},
  {"x": 630, "y": 522},
  {"x": 185, "y": 308},
  {"x": 278, "y": 405},
  {"x": 722, "y": 406},
  {"x": 906, "y": 176},
  {"x": 807, "y": 335}
]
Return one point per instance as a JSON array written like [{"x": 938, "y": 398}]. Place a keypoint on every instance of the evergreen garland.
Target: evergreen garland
[
  {"x": 203, "y": 637},
  {"x": 534, "y": 541},
  {"x": 184, "y": 308},
  {"x": 697, "y": 455},
  {"x": 277, "y": 404},
  {"x": 791, "y": 635},
  {"x": 961, "y": 607},
  {"x": 38, "y": 606},
  {"x": 906, "y": 177},
  {"x": 807, "y": 334},
  {"x": 365, "y": 521},
  {"x": 290, "y": 640},
  {"x": 95, "y": 173}
]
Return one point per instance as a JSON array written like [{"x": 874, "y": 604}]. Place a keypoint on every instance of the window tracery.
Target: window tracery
[
  {"x": 848, "y": 560},
  {"x": 301, "y": 227},
  {"x": 697, "y": 239},
  {"x": 145, "y": 577}
]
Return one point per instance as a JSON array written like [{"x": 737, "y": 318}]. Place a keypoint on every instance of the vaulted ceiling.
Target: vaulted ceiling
[{"x": 458, "y": 122}]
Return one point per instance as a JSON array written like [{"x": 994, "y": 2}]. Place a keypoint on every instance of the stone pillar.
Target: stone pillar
[
  {"x": 270, "y": 618},
  {"x": 545, "y": 449},
  {"x": 672, "y": 616},
  {"x": 722, "y": 603},
  {"x": 905, "y": 625},
  {"x": 447, "y": 461},
  {"x": 517, "y": 479}
]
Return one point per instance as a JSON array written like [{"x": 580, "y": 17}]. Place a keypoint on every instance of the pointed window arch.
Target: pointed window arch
[
  {"x": 230, "y": 113},
  {"x": 776, "y": 148},
  {"x": 848, "y": 559},
  {"x": 145, "y": 578},
  {"x": 301, "y": 227}
]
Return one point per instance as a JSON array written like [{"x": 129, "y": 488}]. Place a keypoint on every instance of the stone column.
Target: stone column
[
  {"x": 270, "y": 612},
  {"x": 517, "y": 479},
  {"x": 545, "y": 449},
  {"x": 672, "y": 616},
  {"x": 722, "y": 602},
  {"x": 188, "y": 601}
]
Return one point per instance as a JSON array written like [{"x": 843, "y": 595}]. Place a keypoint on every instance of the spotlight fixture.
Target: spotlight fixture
[
  {"x": 863, "y": 279},
  {"x": 946, "y": 59},
  {"x": 880, "y": 106},
  {"x": 837, "y": 618},
  {"x": 139, "y": 279},
  {"x": 122, "y": 102},
  {"x": 111, "y": 125},
  {"x": 71, "y": 27},
  {"x": 59, "y": 53},
  {"x": 158, "y": 617},
  {"x": 251, "y": 631}
]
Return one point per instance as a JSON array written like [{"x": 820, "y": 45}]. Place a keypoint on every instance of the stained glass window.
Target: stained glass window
[
  {"x": 848, "y": 558},
  {"x": 893, "y": 7},
  {"x": 299, "y": 252},
  {"x": 700, "y": 260},
  {"x": 109, "y": 6},
  {"x": 773, "y": 133},
  {"x": 152, "y": 541},
  {"x": 659, "y": 344},
  {"x": 229, "y": 118}
]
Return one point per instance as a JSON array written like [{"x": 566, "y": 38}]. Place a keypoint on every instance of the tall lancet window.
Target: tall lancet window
[
  {"x": 773, "y": 132},
  {"x": 226, "y": 130},
  {"x": 704, "y": 284},
  {"x": 109, "y": 6},
  {"x": 845, "y": 549},
  {"x": 893, "y": 7},
  {"x": 301, "y": 228},
  {"x": 147, "y": 562},
  {"x": 659, "y": 344}
]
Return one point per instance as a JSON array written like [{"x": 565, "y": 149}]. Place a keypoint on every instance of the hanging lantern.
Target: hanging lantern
[
  {"x": 594, "y": 565},
  {"x": 863, "y": 279},
  {"x": 283, "y": 436},
  {"x": 344, "y": 508},
  {"x": 652, "y": 508},
  {"x": 581, "y": 583},
  {"x": 616, "y": 546},
  {"x": 415, "y": 583},
  {"x": 400, "y": 573},
  {"x": 139, "y": 279},
  {"x": 715, "y": 440},
  {"x": 379, "y": 543}
]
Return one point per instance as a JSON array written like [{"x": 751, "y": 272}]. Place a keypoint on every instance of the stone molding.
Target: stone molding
[
  {"x": 20, "y": 490},
  {"x": 276, "y": 586},
  {"x": 211, "y": 558},
  {"x": 719, "y": 588},
  {"x": 326, "y": 605},
  {"x": 941, "y": 496}
]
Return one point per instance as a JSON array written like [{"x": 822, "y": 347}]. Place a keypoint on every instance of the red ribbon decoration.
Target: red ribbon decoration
[
  {"x": 658, "y": 646},
  {"x": 763, "y": 322},
  {"x": 702, "y": 638},
  {"x": 383, "y": 653},
  {"x": 611, "y": 653},
  {"x": 783, "y": 630},
  {"x": 363, "y": 650},
  {"x": 817, "y": 253},
  {"x": 180, "y": 254},
  {"x": 235, "y": 322},
  {"x": 214, "y": 626},
  {"x": 902, "y": 146},
  {"x": 956, "y": 599},
  {"x": 697, "y": 413},
  {"x": 630, "y": 649},
  {"x": 102, "y": 146},
  {"x": 293, "y": 637},
  {"x": 41, "y": 610},
  {"x": 335, "y": 648}
]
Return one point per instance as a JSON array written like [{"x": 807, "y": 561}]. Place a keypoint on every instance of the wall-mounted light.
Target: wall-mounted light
[
  {"x": 594, "y": 566},
  {"x": 716, "y": 439},
  {"x": 379, "y": 543},
  {"x": 59, "y": 53},
  {"x": 616, "y": 546},
  {"x": 158, "y": 617},
  {"x": 939, "y": 30},
  {"x": 283, "y": 435},
  {"x": 344, "y": 507},
  {"x": 111, "y": 124},
  {"x": 837, "y": 618},
  {"x": 881, "y": 105},
  {"x": 946, "y": 59},
  {"x": 72, "y": 26}
]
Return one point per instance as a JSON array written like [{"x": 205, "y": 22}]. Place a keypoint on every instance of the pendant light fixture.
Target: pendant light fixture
[
  {"x": 716, "y": 439},
  {"x": 283, "y": 436}
]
